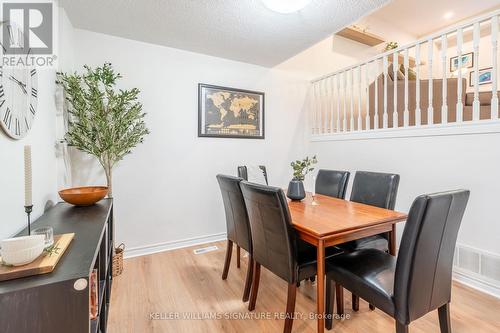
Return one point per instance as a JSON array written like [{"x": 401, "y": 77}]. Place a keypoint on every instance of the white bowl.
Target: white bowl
[
  {"x": 21, "y": 243},
  {"x": 22, "y": 257}
]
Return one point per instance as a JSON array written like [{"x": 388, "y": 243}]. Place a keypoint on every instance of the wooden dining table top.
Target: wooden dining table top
[{"x": 328, "y": 215}]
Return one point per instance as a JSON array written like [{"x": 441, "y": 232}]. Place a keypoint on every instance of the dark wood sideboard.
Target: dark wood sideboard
[{"x": 49, "y": 303}]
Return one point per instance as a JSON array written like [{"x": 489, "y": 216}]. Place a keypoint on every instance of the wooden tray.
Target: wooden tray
[{"x": 42, "y": 265}]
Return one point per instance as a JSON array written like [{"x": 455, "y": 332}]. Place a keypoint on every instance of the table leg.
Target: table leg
[
  {"x": 320, "y": 286},
  {"x": 392, "y": 240}
]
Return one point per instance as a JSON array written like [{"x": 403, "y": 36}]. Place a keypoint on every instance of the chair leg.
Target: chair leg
[
  {"x": 401, "y": 328},
  {"x": 248, "y": 281},
  {"x": 371, "y": 306},
  {"x": 444, "y": 318},
  {"x": 339, "y": 291},
  {"x": 255, "y": 286},
  {"x": 229, "y": 252},
  {"x": 290, "y": 307},
  {"x": 330, "y": 300},
  {"x": 238, "y": 255},
  {"x": 355, "y": 303}
]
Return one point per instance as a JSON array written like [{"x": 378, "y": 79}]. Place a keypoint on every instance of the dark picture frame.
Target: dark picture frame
[
  {"x": 232, "y": 130},
  {"x": 471, "y": 76},
  {"x": 452, "y": 59}
]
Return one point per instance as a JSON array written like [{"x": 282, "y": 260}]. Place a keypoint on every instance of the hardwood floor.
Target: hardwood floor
[{"x": 154, "y": 289}]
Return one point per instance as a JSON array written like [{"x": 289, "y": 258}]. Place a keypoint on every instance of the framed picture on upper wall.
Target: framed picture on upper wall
[
  {"x": 230, "y": 113},
  {"x": 467, "y": 61},
  {"x": 485, "y": 75}
]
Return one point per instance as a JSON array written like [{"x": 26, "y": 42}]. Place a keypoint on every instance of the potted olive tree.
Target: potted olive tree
[
  {"x": 296, "y": 190},
  {"x": 104, "y": 121}
]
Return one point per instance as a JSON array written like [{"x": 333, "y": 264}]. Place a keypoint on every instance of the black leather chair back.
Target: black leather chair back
[
  {"x": 238, "y": 227},
  {"x": 274, "y": 242},
  {"x": 425, "y": 260},
  {"x": 243, "y": 172},
  {"x": 375, "y": 189},
  {"x": 332, "y": 183}
]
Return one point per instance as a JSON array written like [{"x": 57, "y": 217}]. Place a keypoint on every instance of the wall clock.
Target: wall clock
[
  {"x": 18, "y": 100},
  {"x": 18, "y": 95}
]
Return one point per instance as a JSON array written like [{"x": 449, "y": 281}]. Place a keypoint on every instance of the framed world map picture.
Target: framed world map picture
[{"x": 230, "y": 113}]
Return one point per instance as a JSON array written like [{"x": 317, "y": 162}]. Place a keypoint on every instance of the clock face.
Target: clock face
[
  {"x": 18, "y": 100},
  {"x": 18, "y": 92}
]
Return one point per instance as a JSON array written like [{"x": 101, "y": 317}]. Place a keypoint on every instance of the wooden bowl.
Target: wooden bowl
[{"x": 83, "y": 196}]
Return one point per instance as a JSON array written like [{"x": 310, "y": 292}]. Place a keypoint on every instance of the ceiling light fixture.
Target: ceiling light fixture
[
  {"x": 448, "y": 15},
  {"x": 285, "y": 6}
]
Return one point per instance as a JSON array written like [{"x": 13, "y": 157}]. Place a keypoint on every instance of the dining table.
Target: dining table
[{"x": 325, "y": 221}]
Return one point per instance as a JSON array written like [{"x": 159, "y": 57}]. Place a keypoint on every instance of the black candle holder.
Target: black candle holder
[{"x": 28, "y": 210}]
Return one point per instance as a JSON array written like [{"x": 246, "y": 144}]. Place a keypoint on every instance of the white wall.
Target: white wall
[
  {"x": 42, "y": 140},
  {"x": 166, "y": 190}
]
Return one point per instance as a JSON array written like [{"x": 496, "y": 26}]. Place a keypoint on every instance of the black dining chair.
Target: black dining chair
[
  {"x": 243, "y": 172},
  {"x": 238, "y": 227},
  {"x": 275, "y": 243},
  {"x": 332, "y": 183},
  {"x": 374, "y": 189},
  {"x": 419, "y": 280}
]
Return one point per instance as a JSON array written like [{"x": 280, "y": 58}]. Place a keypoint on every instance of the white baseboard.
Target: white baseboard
[
  {"x": 167, "y": 246},
  {"x": 476, "y": 282}
]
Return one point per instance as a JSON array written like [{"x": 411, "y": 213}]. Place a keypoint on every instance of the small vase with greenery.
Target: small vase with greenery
[
  {"x": 300, "y": 169},
  {"x": 104, "y": 121}
]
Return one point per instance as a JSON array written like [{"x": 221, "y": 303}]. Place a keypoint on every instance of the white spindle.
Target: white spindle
[
  {"x": 406, "y": 112},
  {"x": 322, "y": 106},
  {"x": 384, "y": 117},
  {"x": 430, "y": 109},
  {"x": 395, "y": 69},
  {"x": 351, "y": 120},
  {"x": 444, "y": 106},
  {"x": 338, "y": 101},
  {"x": 375, "y": 96},
  {"x": 332, "y": 105},
  {"x": 460, "y": 106},
  {"x": 344, "y": 86},
  {"x": 326, "y": 104},
  {"x": 367, "y": 115},
  {"x": 476, "y": 105},
  {"x": 315, "y": 106},
  {"x": 494, "y": 76},
  {"x": 326, "y": 108},
  {"x": 418, "y": 112},
  {"x": 360, "y": 126}
]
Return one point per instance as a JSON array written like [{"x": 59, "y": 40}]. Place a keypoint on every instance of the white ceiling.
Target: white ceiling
[
  {"x": 243, "y": 30},
  {"x": 421, "y": 17}
]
